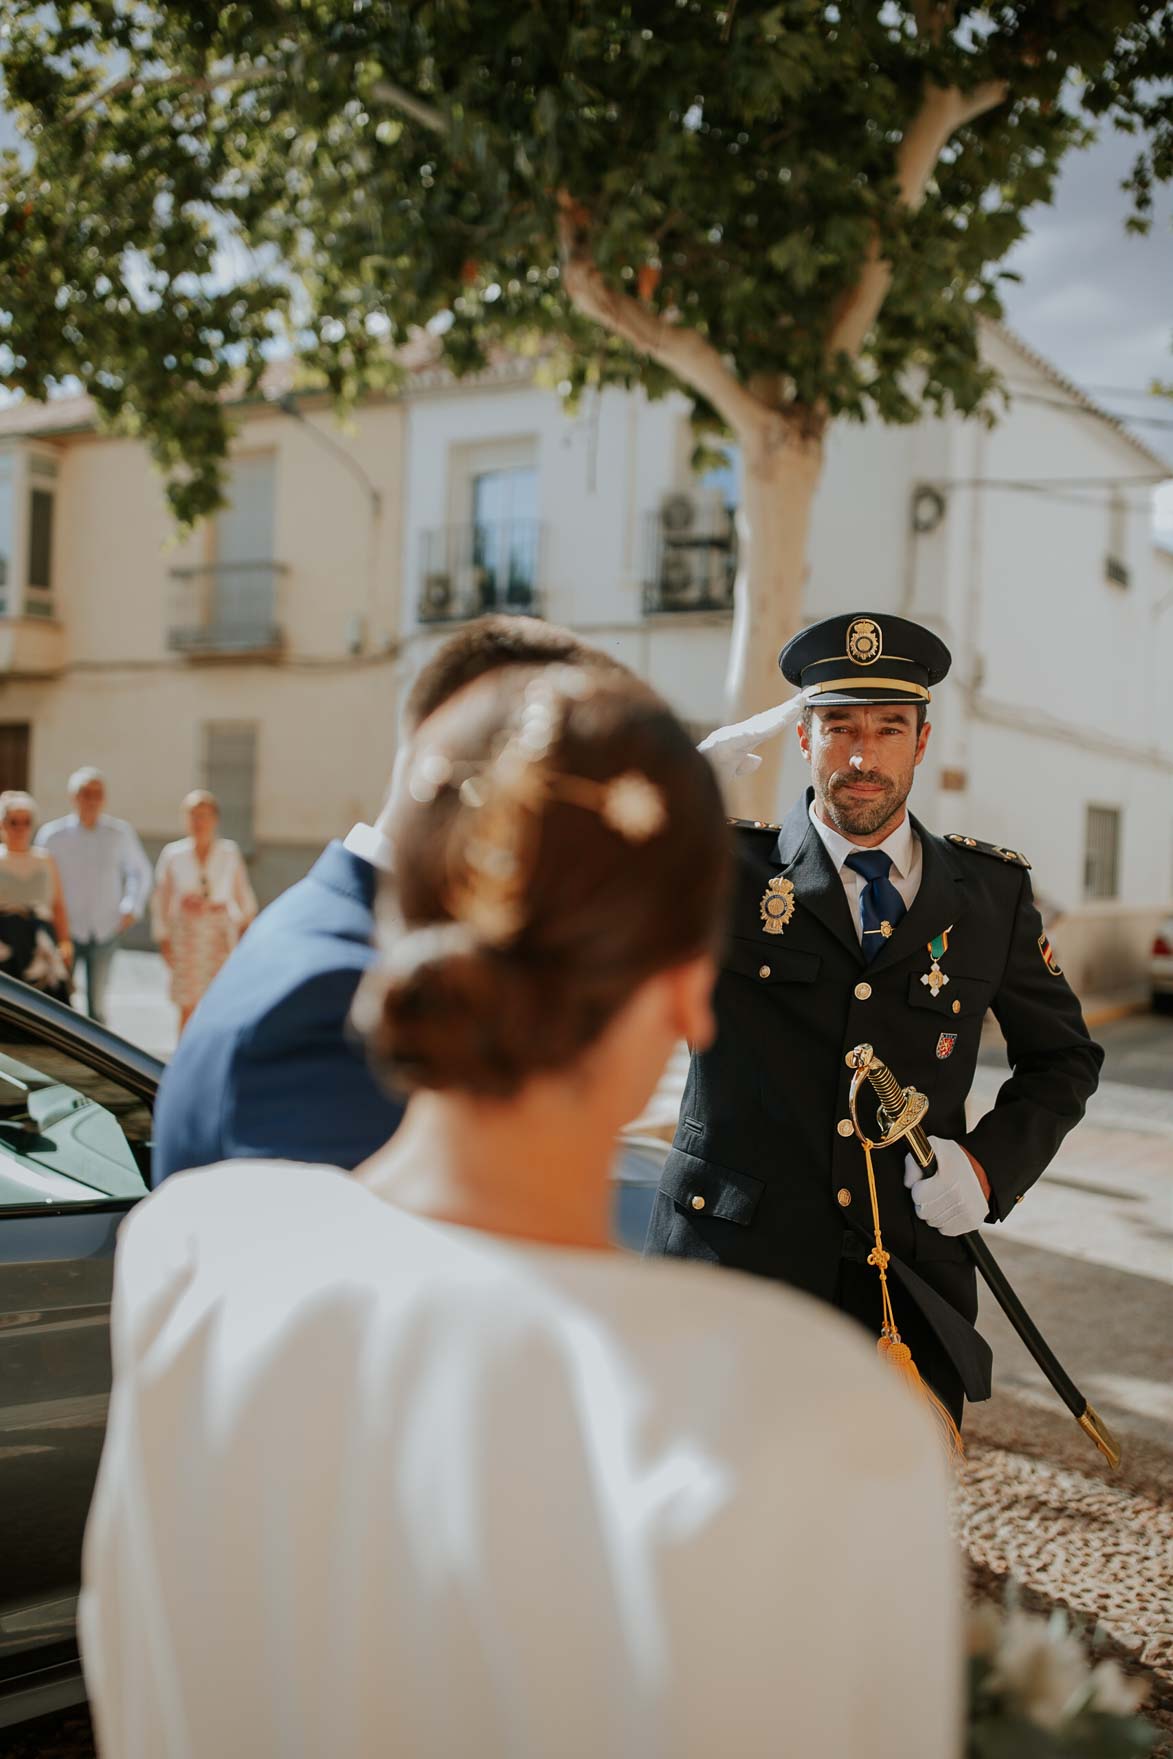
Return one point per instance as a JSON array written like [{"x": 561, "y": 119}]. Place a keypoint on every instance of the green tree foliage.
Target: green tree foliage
[{"x": 194, "y": 181}]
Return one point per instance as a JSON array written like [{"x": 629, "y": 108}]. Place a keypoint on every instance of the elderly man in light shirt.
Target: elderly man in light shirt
[{"x": 105, "y": 875}]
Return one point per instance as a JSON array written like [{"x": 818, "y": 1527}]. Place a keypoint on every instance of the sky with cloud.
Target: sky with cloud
[{"x": 1097, "y": 300}]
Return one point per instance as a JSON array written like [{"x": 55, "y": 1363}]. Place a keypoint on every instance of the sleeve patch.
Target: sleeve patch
[
  {"x": 993, "y": 849},
  {"x": 1049, "y": 959}
]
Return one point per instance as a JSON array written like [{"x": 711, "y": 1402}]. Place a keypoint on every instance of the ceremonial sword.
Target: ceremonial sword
[{"x": 901, "y": 1113}]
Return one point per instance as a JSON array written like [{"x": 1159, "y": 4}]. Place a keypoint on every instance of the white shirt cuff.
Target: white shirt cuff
[{"x": 370, "y": 845}]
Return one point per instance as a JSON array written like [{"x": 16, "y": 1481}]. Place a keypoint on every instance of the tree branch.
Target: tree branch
[
  {"x": 388, "y": 92},
  {"x": 172, "y": 82},
  {"x": 682, "y": 350},
  {"x": 943, "y": 111},
  {"x": 385, "y": 91}
]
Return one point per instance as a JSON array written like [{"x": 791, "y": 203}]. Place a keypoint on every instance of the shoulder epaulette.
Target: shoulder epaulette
[
  {"x": 751, "y": 824},
  {"x": 994, "y": 849}
]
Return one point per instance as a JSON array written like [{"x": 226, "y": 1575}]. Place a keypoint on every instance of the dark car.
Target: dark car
[
  {"x": 75, "y": 1130},
  {"x": 75, "y": 1134}
]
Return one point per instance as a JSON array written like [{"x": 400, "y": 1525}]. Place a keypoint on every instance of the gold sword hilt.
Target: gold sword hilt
[{"x": 901, "y": 1108}]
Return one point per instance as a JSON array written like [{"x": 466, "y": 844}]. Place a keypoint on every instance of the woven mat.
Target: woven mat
[{"x": 1037, "y": 1503}]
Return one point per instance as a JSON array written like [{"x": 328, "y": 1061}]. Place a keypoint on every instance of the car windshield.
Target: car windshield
[{"x": 67, "y": 1134}]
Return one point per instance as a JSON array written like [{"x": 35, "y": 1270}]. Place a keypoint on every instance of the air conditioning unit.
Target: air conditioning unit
[
  {"x": 436, "y": 598},
  {"x": 695, "y": 517}
]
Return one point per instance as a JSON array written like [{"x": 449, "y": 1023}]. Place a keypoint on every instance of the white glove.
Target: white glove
[
  {"x": 730, "y": 763},
  {"x": 952, "y": 1201},
  {"x": 730, "y": 749}
]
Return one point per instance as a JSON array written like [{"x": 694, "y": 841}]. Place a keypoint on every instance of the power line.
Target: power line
[
  {"x": 1126, "y": 391},
  {"x": 1072, "y": 491},
  {"x": 1148, "y": 421},
  {"x": 1107, "y": 390},
  {"x": 1051, "y": 482}
]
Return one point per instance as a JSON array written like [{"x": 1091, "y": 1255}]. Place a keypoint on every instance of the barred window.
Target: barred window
[{"x": 1101, "y": 861}]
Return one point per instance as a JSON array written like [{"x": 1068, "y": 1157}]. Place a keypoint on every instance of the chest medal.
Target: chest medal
[
  {"x": 934, "y": 978},
  {"x": 777, "y": 905}
]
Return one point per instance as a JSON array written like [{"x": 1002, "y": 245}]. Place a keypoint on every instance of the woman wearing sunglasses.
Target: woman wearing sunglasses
[{"x": 34, "y": 927}]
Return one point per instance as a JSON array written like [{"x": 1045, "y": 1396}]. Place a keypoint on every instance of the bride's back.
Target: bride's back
[{"x": 438, "y": 1493}]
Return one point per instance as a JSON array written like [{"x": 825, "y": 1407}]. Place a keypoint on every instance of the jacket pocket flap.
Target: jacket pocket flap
[
  {"x": 768, "y": 964},
  {"x": 707, "y": 1189},
  {"x": 972, "y": 992}
]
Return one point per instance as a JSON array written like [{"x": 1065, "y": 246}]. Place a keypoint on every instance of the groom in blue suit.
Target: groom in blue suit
[{"x": 267, "y": 1068}]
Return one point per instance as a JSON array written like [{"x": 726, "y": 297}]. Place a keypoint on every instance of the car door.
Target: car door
[{"x": 75, "y": 1123}]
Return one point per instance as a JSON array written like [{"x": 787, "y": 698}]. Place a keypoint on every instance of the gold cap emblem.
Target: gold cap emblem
[{"x": 865, "y": 643}]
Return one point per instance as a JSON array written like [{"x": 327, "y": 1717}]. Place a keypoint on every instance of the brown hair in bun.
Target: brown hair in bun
[{"x": 599, "y": 910}]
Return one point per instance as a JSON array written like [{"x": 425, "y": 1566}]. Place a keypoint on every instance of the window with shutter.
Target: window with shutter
[
  {"x": 230, "y": 773},
  {"x": 1102, "y": 852}
]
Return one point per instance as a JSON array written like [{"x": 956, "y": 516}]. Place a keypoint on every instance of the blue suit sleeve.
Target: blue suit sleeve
[{"x": 300, "y": 1088}]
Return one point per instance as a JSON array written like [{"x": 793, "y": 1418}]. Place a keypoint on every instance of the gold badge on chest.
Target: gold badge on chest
[{"x": 777, "y": 905}]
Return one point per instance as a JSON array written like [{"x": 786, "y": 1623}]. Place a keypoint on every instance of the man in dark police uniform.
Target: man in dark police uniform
[{"x": 851, "y": 923}]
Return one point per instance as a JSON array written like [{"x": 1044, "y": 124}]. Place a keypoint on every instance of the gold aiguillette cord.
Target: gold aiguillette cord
[{"x": 890, "y": 1344}]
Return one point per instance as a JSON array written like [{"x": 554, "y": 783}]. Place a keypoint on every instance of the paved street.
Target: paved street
[
  {"x": 138, "y": 1003},
  {"x": 1091, "y": 1254}
]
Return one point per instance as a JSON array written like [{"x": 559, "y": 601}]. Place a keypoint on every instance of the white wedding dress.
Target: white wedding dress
[{"x": 375, "y": 1485}]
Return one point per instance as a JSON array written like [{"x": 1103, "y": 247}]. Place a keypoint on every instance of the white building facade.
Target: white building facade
[
  {"x": 266, "y": 654},
  {"x": 1028, "y": 547}
]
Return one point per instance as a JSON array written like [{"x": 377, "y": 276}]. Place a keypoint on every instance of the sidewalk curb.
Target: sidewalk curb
[{"x": 1106, "y": 1012}]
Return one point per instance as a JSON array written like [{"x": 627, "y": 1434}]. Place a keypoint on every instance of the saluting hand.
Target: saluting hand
[{"x": 956, "y": 1199}]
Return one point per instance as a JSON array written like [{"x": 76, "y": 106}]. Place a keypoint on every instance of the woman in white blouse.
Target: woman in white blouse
[
  {"x": 414, "y": 1462},
  {"x": 202, "y": 902}
]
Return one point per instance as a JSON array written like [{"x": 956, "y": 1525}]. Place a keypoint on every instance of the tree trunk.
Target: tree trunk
[{"x": 781, "y": 473}]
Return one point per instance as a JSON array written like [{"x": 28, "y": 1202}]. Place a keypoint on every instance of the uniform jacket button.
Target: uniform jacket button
[
  {"x": 957, "y": 1007},
  {"x": 862, "y": 991},
  {"x": 843, "y": 1196},
  {"x": 698, "y": 1201},
  {"x": 845, "y": 1127},
  {"x": 763, "y": 971}
]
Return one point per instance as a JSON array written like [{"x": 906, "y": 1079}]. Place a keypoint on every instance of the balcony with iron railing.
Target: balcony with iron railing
[
  {"x": 466, "y": 570},
  {"x": 226, "y": 608},
  {"x": 690, "y": 556}
]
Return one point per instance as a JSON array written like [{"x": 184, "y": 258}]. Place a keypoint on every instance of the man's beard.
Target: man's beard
[{"x": 862, "y": 818}]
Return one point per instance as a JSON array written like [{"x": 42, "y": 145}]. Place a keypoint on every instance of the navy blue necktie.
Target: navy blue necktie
[{"x": 880, "y": 904}]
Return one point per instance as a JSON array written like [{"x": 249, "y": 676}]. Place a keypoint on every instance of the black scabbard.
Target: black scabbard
[
  {"x": 1081, "y": 1409},
  {"x": 1024, "y": 1325}
]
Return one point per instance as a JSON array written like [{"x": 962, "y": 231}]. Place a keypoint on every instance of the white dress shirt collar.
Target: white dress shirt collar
[{"x": 899, "y": 845}]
